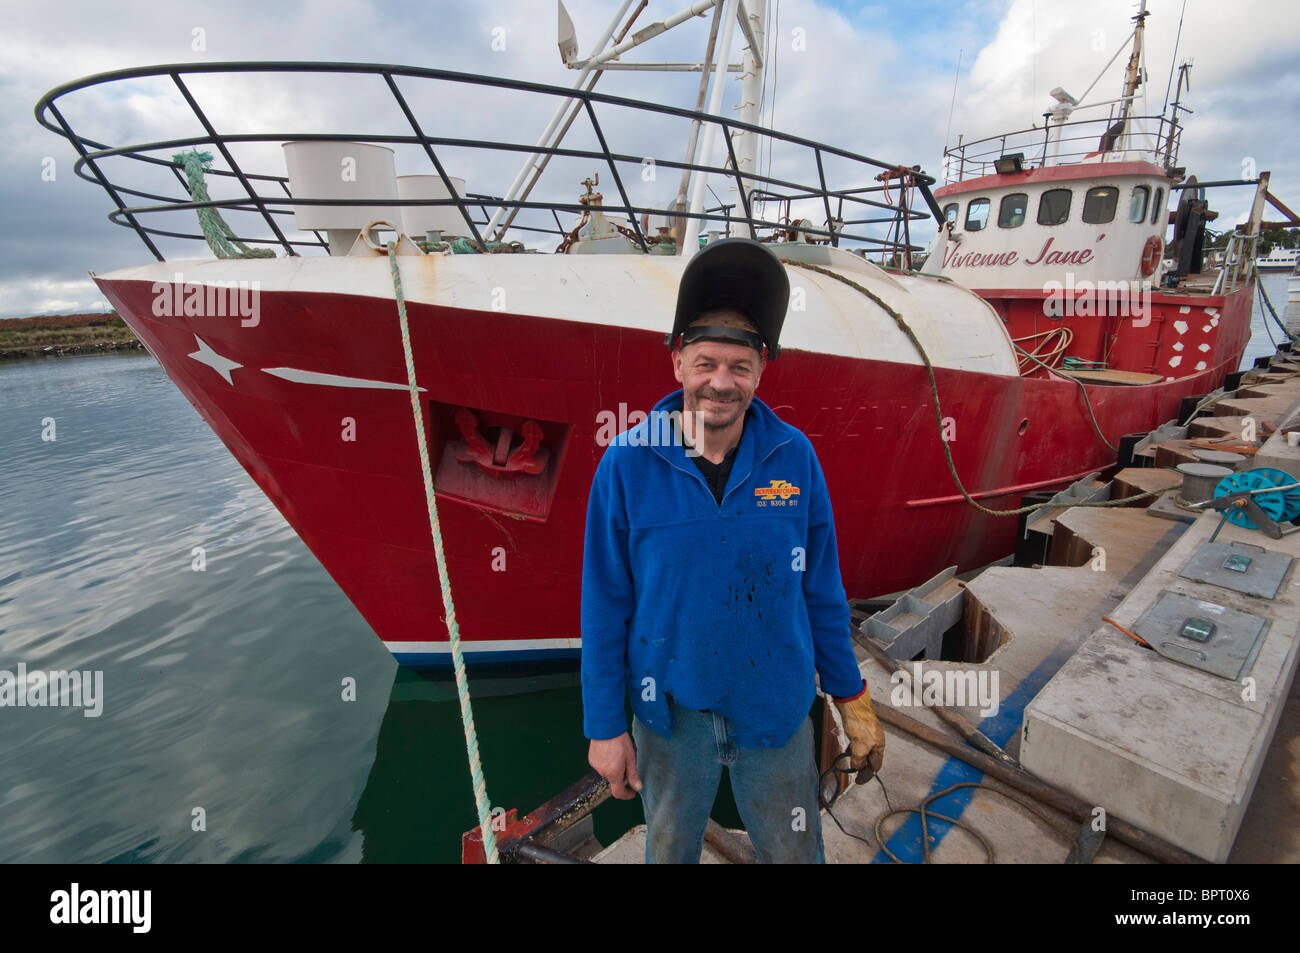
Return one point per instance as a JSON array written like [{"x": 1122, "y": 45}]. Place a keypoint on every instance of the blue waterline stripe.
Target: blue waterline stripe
[{"x": 442, "y": 660}]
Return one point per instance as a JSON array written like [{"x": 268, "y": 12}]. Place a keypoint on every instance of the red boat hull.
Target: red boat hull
[{"x": 514, "y": 541}]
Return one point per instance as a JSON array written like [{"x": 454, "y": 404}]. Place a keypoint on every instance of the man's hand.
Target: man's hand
[
  {"x": 866, "y": 737},
  {"x": 615, "y": 761}
]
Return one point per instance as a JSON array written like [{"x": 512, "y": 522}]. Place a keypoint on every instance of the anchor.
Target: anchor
[{"x": 529, "y": 457}]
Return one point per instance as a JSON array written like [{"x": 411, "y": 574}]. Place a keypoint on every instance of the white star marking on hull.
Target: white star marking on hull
[{"x": 222, "y": 365}]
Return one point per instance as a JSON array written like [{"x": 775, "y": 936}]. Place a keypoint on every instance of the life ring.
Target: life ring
[{"x": 1151, "y": 253}]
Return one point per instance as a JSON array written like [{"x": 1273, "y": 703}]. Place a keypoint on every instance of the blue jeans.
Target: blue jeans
[{"x": 775, "y": 789}]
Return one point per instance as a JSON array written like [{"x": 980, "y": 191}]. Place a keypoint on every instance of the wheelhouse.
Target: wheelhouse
[{"x": 1025, "y": 229}]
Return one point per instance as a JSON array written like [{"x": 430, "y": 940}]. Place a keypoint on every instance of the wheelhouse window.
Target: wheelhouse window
[
  {"x": 1054, "y": 207},
  {"x": 977, "y": 214},
  {"x": 1099, "y": 204},
  {"x": 1157, "y": 207},
  {"x": 950, "y": 212},
  {"x": 1011, "y": 213},
  {"x": 1137, "y": 206}
]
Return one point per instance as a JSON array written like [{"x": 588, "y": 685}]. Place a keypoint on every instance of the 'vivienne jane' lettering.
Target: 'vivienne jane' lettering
[{"x": 953, "y": 258}]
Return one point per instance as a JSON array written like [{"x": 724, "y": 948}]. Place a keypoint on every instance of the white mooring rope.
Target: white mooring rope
[{"x": 453, "y": 627}]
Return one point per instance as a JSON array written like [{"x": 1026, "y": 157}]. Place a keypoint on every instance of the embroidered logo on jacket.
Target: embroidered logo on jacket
[{"x": 778, "y": 488}]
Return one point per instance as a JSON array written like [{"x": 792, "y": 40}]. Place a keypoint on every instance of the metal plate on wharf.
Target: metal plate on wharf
[
  {"x": 1252, "y": 570},
  {"x": 1228, "y": 651}
]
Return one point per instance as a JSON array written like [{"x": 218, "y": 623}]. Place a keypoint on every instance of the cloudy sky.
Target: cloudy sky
[{"x": 876, "y": 79}]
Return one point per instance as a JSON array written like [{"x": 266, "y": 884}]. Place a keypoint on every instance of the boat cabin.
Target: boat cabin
[{"x": 1065, "y": 223}]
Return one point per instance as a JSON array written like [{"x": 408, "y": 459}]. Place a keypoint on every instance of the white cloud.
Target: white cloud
[{"x": 20, "y": 297}]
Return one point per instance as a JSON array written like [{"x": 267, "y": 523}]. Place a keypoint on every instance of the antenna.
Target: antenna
[
  {"x": 955, "y": 76},
  {"x": 1174, "y": 59}
]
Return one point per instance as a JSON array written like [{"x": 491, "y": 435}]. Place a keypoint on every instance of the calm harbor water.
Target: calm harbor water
[{"x": 223, "y": 689}]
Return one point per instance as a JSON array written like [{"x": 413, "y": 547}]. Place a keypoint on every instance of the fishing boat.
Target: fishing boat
[{"x": 538, "y": 312}]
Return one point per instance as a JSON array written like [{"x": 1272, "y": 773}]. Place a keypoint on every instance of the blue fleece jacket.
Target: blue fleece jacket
[{"x": 725, "y": 607}]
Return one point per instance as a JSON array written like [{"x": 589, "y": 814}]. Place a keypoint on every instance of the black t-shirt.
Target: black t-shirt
[{"x": 716, "y": 474}]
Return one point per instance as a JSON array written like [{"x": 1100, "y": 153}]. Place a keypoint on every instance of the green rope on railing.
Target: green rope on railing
[
  {"x": 220, "y": 238},
  {"x": 453, "y": 627},
  {"x": 463, "y": 246}
]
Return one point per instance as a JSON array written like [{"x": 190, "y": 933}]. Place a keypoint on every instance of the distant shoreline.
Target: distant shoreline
[{"x": 57, "y": 335}]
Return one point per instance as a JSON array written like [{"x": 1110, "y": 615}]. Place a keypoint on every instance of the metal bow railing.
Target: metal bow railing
[{"x": 857, "y": 211}]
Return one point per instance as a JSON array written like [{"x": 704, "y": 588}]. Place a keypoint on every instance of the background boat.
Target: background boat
[{"x": 1279, "y": 259}]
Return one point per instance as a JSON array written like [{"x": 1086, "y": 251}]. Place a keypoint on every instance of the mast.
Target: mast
[
  {"x": 690, "y": 244},
  {"x": 606, "y": 57},
  {"x": 753, "y": 20},
  {"x": 707, "y": 74},
  {"x": 1133, "y": 72},
  {"x": 535, "y": 162}
]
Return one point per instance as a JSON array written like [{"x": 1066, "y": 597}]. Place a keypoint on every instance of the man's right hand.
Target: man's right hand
[{"x": 615, "y": 761}]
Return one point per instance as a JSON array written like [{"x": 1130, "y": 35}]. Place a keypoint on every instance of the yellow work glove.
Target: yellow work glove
[{"x": 866, "y": 736}]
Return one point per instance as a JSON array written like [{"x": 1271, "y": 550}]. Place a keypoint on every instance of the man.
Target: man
[{"x": 711, "y": 587}]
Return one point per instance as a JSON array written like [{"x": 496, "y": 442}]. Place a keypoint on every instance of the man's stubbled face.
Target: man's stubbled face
[{"x": 718, "y": 379}]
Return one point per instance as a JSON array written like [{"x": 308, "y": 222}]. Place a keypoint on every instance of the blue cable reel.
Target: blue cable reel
[{"x": 1280, "y": 506}]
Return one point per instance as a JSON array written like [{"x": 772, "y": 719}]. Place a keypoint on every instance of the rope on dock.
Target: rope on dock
[
  {"x": 453, "y": 627},
  {"x": 938, "y": 413},
  {"x": 220, "y": 238},
  {"x": 923, "y": 809}
]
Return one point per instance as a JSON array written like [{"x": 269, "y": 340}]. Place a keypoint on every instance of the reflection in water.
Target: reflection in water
[{"x": 418, "y": 801}]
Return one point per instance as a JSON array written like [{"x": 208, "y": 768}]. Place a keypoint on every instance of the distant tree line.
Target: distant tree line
[{"x": 1273, "y": 237}]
